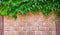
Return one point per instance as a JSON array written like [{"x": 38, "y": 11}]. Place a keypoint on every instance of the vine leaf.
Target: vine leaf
[
  {"x": 46, "y": 12},
  {"x": 15, "y": 17}
]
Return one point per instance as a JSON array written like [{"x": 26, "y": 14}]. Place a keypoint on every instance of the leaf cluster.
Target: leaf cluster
[{"x": 12, "y": 7}]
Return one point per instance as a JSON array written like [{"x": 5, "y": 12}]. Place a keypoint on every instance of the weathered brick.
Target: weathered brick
[{"x": 30, "y": 24}]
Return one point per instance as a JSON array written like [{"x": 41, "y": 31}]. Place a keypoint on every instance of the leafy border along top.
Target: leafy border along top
[{"x": 12, "y": 7}]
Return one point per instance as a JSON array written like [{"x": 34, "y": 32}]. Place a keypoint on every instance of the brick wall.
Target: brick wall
[
  {"x": 1, "y": 25},
  {"x": 30, "y": 25}
]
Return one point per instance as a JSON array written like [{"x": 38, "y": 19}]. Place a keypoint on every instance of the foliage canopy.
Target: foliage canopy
[{"x": 12, "y": 7}]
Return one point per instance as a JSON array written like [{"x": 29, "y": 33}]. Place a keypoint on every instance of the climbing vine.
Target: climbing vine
[{"x": 12, "y": 7}]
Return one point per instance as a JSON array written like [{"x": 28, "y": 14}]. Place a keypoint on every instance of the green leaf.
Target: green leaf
[
  {"x": 15, "y": 17},
  {"x": 34, "y": 11},
  {"x": 46, "y": 12},
  {"x": 23, "y": 12},
  {"x": 12, "y": 13},
  {"x": 3, "y": 13}
]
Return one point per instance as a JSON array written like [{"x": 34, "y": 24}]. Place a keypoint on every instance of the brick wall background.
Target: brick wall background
[
  {"x": 30, "y": 25},
  {"x": 1, "y": 25}
]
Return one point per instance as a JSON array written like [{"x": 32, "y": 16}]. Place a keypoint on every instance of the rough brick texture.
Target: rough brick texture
[
  {"x": 1, "y": 25},
  {"x": 30, "y": 24}
]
